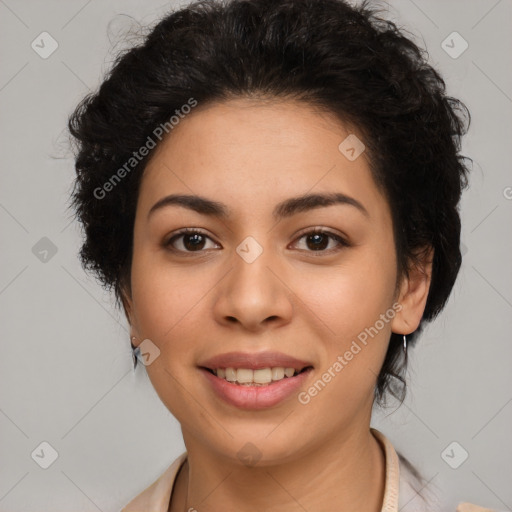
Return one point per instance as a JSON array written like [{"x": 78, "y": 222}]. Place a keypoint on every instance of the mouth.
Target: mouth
[
  {"x": 256, "y": 377},
  {"x": 255, "y": 381}
]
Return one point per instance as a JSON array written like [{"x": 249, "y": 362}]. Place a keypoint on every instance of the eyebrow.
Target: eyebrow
[{"x": 284, "y": 209}]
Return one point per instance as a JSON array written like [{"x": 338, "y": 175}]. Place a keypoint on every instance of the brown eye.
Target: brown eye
[
  {"x": 321, "y": 241},
  {"x": 190, "y": 241},
  {"x": 317, "y": 241},
  {"x": 193, "y": 242}
]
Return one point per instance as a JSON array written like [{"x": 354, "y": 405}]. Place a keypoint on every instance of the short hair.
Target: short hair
[{"x": 341, "y": 58}]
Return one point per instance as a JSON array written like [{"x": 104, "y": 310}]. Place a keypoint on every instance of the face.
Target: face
[{"x": 258, "y": 245}]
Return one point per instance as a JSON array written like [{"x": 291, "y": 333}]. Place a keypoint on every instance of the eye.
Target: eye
[
  {"x": 322, "y": 241},
  {"x": 193, "y": 240},
  {"x": 190, "y": 240}
]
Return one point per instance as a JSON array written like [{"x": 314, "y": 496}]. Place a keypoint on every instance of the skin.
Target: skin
[{"x": 250, "y": 155}]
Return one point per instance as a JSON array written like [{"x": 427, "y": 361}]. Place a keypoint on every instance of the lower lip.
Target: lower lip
[{"x": 256, "y": 397}]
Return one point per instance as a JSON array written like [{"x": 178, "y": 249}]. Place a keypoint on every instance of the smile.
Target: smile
[{"x": 259, "y": 377}]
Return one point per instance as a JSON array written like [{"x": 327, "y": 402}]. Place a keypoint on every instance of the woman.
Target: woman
[{"x": 271, "y": 189}]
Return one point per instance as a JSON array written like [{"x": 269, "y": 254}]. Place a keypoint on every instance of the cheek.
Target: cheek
[
  {"x": 167, "y": 298},
  {"x": 348, "y": 301},
  {"x": 167, "y": 304},
  {"x": 353, "y": 341},
  {"x": 350, "y": 297}
]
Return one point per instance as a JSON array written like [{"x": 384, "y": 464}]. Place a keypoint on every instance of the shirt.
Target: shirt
[{"x": 404, "y": 491}]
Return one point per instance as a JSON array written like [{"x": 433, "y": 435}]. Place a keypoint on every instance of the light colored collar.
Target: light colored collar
[
  {"x": 157, "y": 496},
  {"x": 392, "y": 484}
]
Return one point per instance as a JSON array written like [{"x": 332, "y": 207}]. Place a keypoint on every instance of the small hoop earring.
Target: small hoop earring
[{"x": 405, "y": 344}]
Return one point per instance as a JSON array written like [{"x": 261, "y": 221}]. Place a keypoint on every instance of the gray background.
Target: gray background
[{"x": 66, "y": 371}]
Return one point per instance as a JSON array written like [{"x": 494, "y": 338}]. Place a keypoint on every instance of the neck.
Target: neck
[{"x": 348, "y": 474}]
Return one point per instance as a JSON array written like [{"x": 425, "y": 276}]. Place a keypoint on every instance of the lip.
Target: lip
[
  {"x": 254, "y": 361},
  {"x": 256, "y": 397}
]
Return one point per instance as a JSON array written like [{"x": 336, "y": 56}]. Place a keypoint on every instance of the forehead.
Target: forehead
[{"x": 252, "y": 154}]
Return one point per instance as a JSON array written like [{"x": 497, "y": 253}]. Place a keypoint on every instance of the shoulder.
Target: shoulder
[
  {"x": 469, "y": 507},
  {"x": 156, "y": 497},
  {"x": 416, "y": 493},
  {"x": 420, "y": 495},
  {"x": 408, "y": 491}
]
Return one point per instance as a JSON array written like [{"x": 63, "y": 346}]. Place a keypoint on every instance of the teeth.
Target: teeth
[
  {"x": 244, "y": 376},
  {"x": 289, "y": 372},
  {"x": 262, "y": 376},
  {"x": 230, "y": 375},
  {"x": 277, "y": 373}
]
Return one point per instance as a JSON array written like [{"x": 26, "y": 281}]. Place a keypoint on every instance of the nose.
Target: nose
[{"x": 254, "y": 296}]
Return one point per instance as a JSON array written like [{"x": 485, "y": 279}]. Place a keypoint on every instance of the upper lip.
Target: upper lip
[{"x": 254, "y": 361}]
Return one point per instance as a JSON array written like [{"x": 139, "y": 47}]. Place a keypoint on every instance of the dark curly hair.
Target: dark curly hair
[{"x": 344, "y": 59}]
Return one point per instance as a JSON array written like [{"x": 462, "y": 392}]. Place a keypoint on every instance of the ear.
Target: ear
[
  {"x": 413, "y": 292},
  {"x": 125, "y": 294},
  {"x": 126, "y": 301}
]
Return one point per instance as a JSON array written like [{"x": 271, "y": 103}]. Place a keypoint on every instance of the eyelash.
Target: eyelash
[{"x": 342, "y": 243}]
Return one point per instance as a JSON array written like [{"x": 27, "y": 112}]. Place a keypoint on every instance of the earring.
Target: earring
[
  {"x": 135, "y": 352},
  {"x": 405, "y": 344}
]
